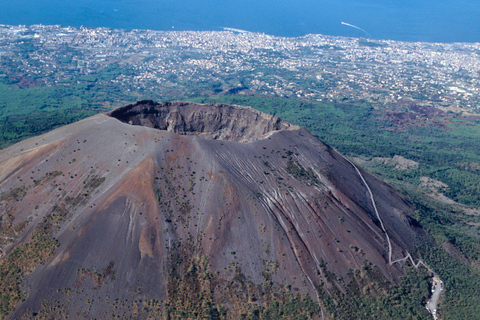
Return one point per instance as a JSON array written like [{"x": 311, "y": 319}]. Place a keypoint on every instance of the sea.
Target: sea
[{"x": 406, "y": 20}]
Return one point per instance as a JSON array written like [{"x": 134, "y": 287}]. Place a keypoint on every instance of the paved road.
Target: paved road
[{"x": 437, "y": 289}]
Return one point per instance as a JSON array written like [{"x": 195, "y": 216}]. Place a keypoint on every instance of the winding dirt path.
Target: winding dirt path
[{"x": 432, "y": 304}]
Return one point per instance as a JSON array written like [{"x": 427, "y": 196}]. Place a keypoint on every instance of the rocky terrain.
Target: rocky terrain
[{"x": 157, "y": 209}]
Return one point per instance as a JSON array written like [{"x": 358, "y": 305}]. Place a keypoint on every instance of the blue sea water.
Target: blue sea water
[{"x": 407, "y": 20}]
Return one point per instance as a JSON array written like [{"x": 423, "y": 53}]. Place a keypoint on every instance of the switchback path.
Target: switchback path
[{"x": 437, "y": 283}]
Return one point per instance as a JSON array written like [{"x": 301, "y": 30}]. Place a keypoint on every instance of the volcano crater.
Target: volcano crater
[{"x": 208, "y": 121}]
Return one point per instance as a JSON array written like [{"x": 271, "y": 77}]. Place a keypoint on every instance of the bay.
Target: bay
[{"x": 428, "y": 20}]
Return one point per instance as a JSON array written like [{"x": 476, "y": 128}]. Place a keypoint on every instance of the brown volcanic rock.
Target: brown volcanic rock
[
  {"x": 237, "y": 188},
  {"x": 222, "y": 122}
]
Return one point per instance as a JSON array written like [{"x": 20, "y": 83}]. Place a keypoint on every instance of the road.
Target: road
[{"x": 437, "y": 289}]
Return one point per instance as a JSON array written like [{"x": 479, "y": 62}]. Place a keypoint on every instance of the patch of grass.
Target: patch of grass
[
  {"x": 93, "y": 182},
  {"x": 300, "y": 173}
]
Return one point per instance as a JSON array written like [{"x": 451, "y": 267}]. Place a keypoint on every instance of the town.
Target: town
[{"x": 180, "y": 64}]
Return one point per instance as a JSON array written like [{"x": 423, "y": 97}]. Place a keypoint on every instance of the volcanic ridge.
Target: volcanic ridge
[{"x": 180, "y": 204}]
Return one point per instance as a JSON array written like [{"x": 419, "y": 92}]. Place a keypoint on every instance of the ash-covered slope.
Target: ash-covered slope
[{"x": 175, "y": 202}]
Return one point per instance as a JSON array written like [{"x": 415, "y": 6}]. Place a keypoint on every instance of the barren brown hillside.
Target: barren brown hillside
[{"x": 177, "y": 205}]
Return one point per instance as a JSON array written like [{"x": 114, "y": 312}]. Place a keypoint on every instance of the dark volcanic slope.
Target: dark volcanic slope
[{"x": 242, "y": 192}]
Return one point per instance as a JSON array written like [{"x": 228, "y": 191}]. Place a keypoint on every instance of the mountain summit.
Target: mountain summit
[{"x": 179, "y": 208}]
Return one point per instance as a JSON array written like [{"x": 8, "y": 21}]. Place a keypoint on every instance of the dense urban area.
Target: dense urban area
[{"x": 314, "y": 66}]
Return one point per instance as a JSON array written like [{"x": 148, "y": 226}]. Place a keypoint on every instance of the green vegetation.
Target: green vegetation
[
  {"x": 446, "y": 149},
  {"x": 445, "y": 146},
  {"x": 18, "y": 263},
  {"x": 370, "y": 296},
  {"x": 302, "y": 174},
  {"x": 14, "y": 194},
  {"x": 447, "y": 153},
  {"x": 27, "y": 112},
  {"x": 195, "y": 293},
  {"x": 192, "y": 288}
]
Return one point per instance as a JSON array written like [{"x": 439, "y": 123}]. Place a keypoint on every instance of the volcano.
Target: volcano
[{"x": 180, "y": 208}]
